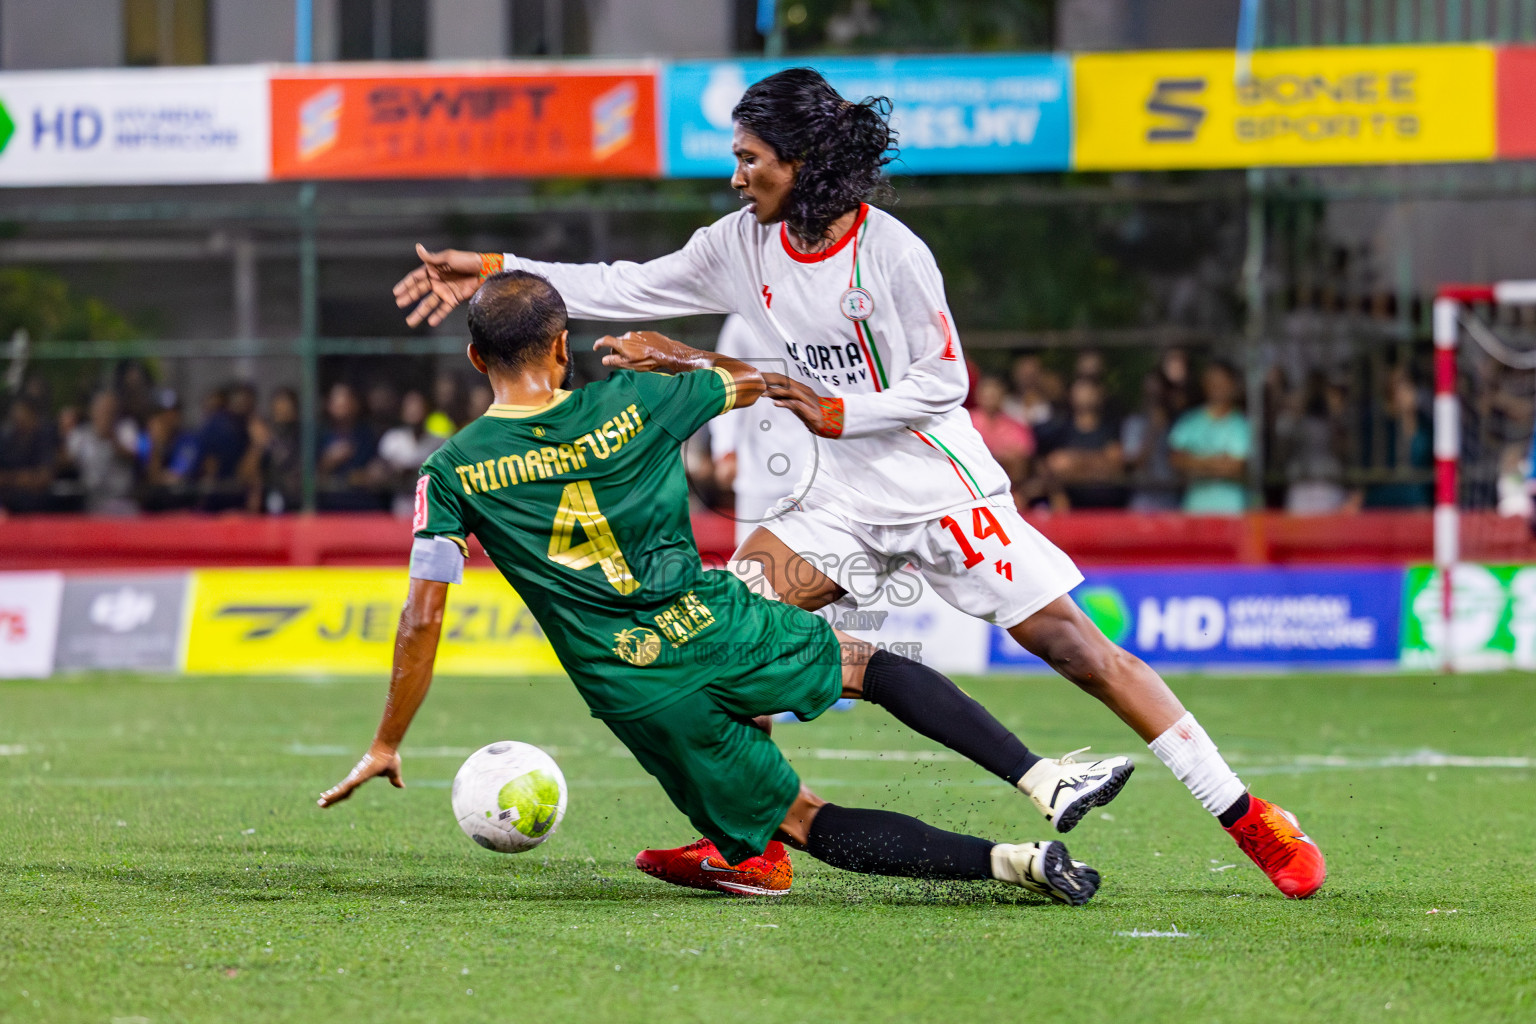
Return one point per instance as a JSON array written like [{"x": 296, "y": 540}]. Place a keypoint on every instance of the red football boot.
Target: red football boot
[
  {"x": 699, "y": 865},
  {"x": 1272, "y": 837}
]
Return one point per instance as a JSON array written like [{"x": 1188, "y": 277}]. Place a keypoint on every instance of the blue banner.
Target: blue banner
[
  {"x": 955, "y": 115},
  {"x": 1238, "y": 616}
]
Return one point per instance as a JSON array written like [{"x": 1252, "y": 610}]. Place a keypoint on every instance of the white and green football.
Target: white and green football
[{"x": 509, "y": 796}]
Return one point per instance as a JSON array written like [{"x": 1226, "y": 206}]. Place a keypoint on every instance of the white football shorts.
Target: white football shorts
[{"x": 984, "y": 560}]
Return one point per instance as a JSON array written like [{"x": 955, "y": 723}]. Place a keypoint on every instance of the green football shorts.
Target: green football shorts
[{"x": 723, "y": 772}]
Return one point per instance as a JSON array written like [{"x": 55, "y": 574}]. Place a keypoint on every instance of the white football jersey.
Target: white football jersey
[{"x": 865, "y": 321}]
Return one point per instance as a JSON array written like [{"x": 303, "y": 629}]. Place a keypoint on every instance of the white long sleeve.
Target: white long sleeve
[
  {"x": 935, "y": 381},
  {"x": 691, "y": 280}
]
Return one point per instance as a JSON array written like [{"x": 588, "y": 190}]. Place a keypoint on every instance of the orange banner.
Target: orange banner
[{"x": 482, "y": 124}]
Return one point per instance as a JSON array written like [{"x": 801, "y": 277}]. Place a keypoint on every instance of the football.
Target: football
[{"x": 509, "y": 796}]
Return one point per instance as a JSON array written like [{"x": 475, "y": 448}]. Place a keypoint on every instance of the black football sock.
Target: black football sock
[
  {"x": 887, "y": 843},
  {"x": 1231, "y": 815},
  {"x": 927, "y": 702}
]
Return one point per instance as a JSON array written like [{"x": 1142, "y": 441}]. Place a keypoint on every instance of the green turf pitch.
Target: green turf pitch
[{"x": 162, "y": 859}]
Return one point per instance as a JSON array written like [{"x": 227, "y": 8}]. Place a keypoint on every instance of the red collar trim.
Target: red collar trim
[{"x": 825, "y": 254}]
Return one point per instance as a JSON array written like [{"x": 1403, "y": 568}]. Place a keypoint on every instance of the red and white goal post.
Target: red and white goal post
[{"x": 1453, "y": 319}]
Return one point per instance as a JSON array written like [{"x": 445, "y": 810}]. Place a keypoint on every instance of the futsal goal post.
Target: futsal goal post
[{"x": 1483, "y": 359}]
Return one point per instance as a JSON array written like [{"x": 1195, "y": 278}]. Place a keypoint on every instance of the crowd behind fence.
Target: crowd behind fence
[{"x": 1143, "y": 431}]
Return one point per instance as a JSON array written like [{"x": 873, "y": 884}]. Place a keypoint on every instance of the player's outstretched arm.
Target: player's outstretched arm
[
  {"x": 648, "y": 351},
  {"x": 415, "y": 650}
]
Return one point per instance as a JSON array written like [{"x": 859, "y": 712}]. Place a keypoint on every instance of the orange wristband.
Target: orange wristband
[
  {"x": 831, "y": 417},
  {"x": 491, "y": 263}
]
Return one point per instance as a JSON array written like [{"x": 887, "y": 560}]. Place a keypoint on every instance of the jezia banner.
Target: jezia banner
[
  {"x": 342, "y": 621},
  {"x": 954, "y": 115},
  {"x": 1237, "y": 617},
  {"x": 509, "y": 121}
]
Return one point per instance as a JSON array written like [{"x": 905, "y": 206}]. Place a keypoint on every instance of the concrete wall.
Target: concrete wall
[
  {"x": 41, "y": 34},
  {"x": 251, "y": 33},
  {"x": 466, "y": 29},
  {"x": 674, "y": 28},
  {"x": 1145, "y": 24}
]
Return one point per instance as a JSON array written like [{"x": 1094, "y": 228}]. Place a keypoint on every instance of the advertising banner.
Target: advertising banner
[
  {"x": 981, "y": 114},
  {"x": 1494, "y": 622},
  {"x": 1517, "y": 102},
  {"x": 502, "y": 122},
  {"x": 141, "y": 126},
  {"x": 1238, "y": 617},
  {"x": 1345, "y": 105},
  {"x": 29, "y": 623},
  {"x": 342, "y": 621},
  {"x": 121, "y": 621}
]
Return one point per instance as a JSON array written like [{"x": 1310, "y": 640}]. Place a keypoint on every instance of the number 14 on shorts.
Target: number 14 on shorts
[{"x": 983, "y": 525}]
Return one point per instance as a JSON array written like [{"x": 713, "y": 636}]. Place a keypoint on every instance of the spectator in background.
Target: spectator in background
[
  {"x": 1090, "y": 364},
  {"x": 402, "y": 450},
  {"x": 104, "y": 463},
  {"x": 28, "y": 451},
  {"x": 1084, "y": 462},
  {"x": 1029, "y": 403},
  {"x": 167, "y": 457},
  {"x": 1178, "y": 382},
  {"x": 1410, "y": 447},
  {"x": 225, "y": 476},
  {"x": 444, "y": 419},
  {"x": 1010, "y": 441},
  {"x": 282, "y": 465},
  {"x": 136, "y": 393},
  {"x": 1211, "y": 445},
  {"x": 1144, "y": 445},
  {"x": 383, "y": 404},
  {"x": 346, "y": 449},
  {"x": 1309, "y": 446},
  {"x": 480, "y": 399}
]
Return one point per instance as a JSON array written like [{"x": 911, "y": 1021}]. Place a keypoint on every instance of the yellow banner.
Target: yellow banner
[
  {"x": 1379, "y": 104},
  {"x": 342, "y": 621}
]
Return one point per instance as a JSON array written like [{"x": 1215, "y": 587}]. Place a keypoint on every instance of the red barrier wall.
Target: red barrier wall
[{"x": 1092, "y": 538}]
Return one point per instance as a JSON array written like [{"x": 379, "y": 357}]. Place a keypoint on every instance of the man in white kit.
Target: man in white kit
[{"x": 857, "y": 303}]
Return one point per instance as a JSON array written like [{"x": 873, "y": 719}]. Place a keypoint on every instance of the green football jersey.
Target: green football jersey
[{"x": 582, "y": 504}]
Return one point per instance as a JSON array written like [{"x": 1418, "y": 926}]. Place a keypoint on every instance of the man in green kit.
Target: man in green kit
[{"x": 580, "y": 499}]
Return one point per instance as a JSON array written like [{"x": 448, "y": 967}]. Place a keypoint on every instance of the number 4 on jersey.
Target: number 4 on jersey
[
  {"x": 578, "y": 506},
  {"x": 983, "y": 525}
]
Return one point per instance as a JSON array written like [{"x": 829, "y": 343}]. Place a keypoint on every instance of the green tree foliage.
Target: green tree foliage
[{"x": 45, "y": 306}]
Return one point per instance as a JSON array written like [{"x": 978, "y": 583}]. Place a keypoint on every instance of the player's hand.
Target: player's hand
[
  {"x": 802, "y": 401},
  {"x": 443, "y": 280},
  {"x": 646, "y": 351},
  {"x": 378, "y": 761}
]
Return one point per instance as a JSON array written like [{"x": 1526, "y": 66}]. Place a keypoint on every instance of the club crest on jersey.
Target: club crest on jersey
[
  {"x": 857, "y": 304},
  {"x": 638, "y": 646}
]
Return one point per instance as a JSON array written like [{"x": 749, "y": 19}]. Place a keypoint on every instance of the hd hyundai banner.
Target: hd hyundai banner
[
  {"x": 505, "y": 121},
  {"x": 141, "y": 126},
  {"x": 1239, "y": 617},
  {"x": 954, "y": 115}
]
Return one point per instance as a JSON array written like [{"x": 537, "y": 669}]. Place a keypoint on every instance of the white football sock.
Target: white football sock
[{"x": 1194, "y": 760}]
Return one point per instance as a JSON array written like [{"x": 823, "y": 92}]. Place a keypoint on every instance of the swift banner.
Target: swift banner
[
  {"x": 342, "y": 621},
  {"x": 1379, "y": 104},
  {"x": 145, "y": 126},
  {"x": 963, "y": 115},
  {"x": 29, "y": 623},
  {"x": 529, "y": 121},
  {"x": 1494, "y": 621},
  {"x": 1220, "y": 617}
]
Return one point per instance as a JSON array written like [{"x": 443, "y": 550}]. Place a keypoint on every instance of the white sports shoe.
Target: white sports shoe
[
  {"x": 1047, "y": 869},
  {"x": 1065, "y": 790}
]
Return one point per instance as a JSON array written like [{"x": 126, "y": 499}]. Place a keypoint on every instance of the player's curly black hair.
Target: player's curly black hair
[{"x": 842, "y": 146}]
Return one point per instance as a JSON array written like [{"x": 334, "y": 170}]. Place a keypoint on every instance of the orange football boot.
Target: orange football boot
[
  {"x": 699, "y": 865},
  {"x": 1272, "y": 837}
]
